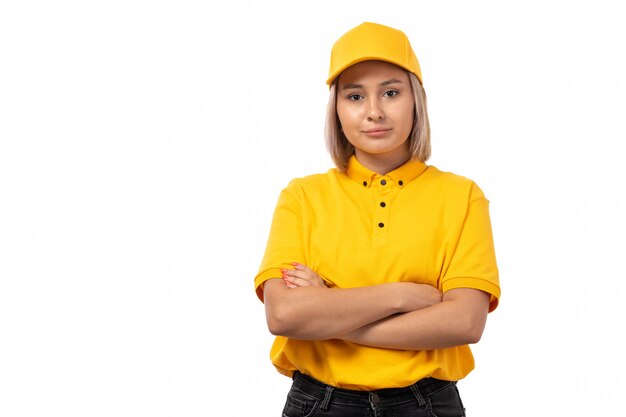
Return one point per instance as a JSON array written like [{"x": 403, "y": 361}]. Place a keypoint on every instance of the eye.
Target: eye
[
  {"x": 355, "y": 97},
  {"x": 391, "y": 93}
]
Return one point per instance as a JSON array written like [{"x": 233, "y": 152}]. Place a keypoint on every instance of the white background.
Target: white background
[{"x": 143, "y": 145}]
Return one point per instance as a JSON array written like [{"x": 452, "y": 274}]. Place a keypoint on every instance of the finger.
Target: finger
[
  {"x": 308, "y": 275},
  {"x": 301, "y": 267},
  {"x": 293, "y": 281},
  {"x": 286, "y": 279},
  {"x": 289, "y": 284},
  {"x": 288, "y": 273},
  {"x": 307, "y": 280},
  {"x": 298, "y": 282}
]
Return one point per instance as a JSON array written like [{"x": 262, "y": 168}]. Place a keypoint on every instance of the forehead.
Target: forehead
[{"x": 372, "y": 72}]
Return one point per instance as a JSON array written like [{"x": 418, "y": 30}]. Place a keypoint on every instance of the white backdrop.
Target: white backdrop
[{"x": 143, "y": 145}]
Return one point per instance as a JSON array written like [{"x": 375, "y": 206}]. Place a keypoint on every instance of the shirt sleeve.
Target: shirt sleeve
[
  {"x": 473, "y": 262},
  {"x": 284, "y": 244}
]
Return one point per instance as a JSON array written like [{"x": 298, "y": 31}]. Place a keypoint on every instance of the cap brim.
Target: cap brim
[{"x": 355, "y": 61}]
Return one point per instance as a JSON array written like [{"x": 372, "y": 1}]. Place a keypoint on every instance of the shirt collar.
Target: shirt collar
[{"x": 402, "y": 175}]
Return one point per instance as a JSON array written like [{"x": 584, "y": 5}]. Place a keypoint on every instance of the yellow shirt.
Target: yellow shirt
[{"x": 360, "y": 228}]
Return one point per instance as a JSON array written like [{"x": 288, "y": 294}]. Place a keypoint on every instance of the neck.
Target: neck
[{"x": 381, "y": 164}]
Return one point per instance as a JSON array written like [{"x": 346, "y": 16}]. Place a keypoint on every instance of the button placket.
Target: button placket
[{"x": 384, "y": 189}]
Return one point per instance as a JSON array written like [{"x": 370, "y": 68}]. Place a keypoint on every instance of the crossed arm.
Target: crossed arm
[{"x": 399, "y": 315}]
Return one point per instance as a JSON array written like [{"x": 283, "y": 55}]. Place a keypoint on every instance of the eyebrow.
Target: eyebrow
[{"x": 352, "y": 86}]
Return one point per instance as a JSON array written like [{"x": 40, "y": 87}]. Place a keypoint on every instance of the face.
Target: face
[{"x": 375, "y": 106}]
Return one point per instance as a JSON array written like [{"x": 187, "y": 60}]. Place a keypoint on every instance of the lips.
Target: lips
[{"x": 377, "y": 131}]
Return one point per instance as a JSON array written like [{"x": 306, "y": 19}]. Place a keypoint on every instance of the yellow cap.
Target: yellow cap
[{"x": 371, "y": 41}]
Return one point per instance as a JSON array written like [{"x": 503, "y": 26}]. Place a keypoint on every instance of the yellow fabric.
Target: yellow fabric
[
  {"x": 371, "y": 41},
  {"x": 435, "y": 230}
]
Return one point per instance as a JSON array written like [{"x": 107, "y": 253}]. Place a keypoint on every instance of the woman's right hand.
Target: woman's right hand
[{"x": 302, "y": 276}]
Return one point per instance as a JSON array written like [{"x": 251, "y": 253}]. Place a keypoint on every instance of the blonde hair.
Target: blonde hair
[{"x": 419, "y": 139}]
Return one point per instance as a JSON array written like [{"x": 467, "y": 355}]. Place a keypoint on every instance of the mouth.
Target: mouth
[{"x": 376, "y": 132}]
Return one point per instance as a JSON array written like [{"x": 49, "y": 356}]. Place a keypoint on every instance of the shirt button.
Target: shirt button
[
  {"x": 381, "y": 225},
  {"x": 382, "y": 204},
  {"x": 401, "y": 182},
  {"x": 364, "y": 183},
  {"x": 383, "y": 182}
]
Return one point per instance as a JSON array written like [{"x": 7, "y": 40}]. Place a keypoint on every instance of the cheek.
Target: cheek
[
  {"x": 408, "y": 125},
  {"x": 406, "y": 118},
  {"x": 346, "y": 118}
]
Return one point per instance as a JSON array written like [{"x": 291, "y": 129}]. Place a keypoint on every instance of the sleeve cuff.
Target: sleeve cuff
[
  {"x": 476, "y": 283},
  {"x": 264, "y": 276}
]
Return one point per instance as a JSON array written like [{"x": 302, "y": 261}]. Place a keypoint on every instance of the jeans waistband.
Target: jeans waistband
[{"x": 327, "y": 393}]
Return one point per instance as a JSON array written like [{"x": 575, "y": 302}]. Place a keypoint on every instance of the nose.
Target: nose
[{"x": 374, "y": 111}]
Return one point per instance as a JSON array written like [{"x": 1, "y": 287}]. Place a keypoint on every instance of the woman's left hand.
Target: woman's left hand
[{"x": 302, "y": 276}]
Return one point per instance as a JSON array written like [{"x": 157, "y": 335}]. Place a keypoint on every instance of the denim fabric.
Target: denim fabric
[{"x": 428, "y": 397}]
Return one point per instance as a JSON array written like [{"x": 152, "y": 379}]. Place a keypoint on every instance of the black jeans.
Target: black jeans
[{"x": 428, "y": 397}]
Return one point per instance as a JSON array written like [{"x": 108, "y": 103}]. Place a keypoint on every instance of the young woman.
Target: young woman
[{"x": 379, "y": 273}]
